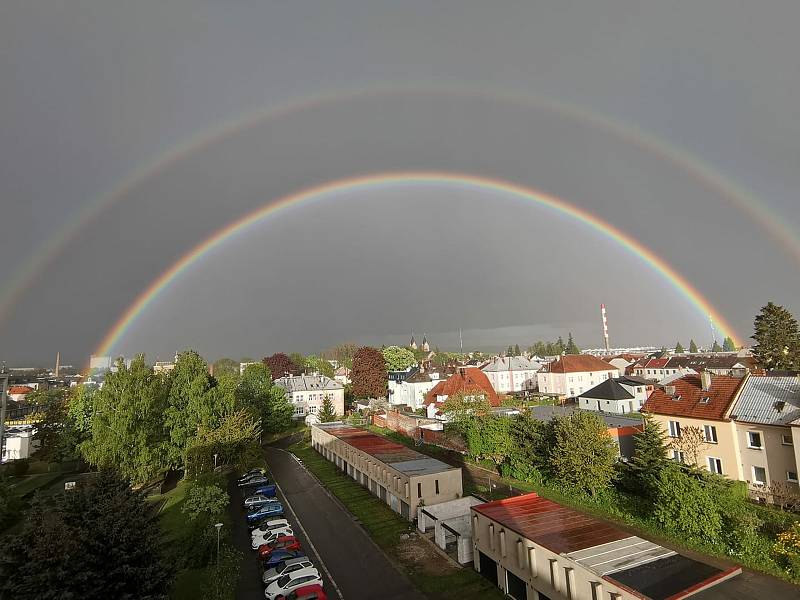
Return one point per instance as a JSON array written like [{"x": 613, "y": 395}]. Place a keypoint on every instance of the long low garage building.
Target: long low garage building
[
  {"x": 400, "y": 476},
  {"x": 535, "y": 549}
]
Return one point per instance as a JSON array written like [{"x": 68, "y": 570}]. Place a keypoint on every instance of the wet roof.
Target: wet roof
[
  {"x": 656, "y": 572},
  {"x": 401, "y": 458}
]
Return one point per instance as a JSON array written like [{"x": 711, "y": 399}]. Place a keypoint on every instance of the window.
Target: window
[
  {"x": 786, "y": 439},
  {"x": 754, "y": 440},
  {"x": 419, "y": 490},
  {"x": 791, "y": 476},
  {"x": 677, "y": 456},
  {"x": 710, "y": 433},
  {"x": 760, "y": 475},
  {"x": 437, "y": 485},
  {"x": 674, "y": 429},
  {"x": 715, "y": 465}
]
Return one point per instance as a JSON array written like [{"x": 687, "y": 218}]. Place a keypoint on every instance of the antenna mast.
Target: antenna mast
[{"x": 605, "y": 326}]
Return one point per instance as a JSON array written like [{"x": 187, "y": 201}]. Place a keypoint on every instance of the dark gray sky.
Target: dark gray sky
[{"x": 91, "y": 90}]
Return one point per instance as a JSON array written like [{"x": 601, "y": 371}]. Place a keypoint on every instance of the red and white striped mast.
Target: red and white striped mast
[{"x": 605, "y": 326}]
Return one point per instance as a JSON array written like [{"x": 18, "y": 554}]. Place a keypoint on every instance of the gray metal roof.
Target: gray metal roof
[
  {"x": 620, "y": 554},
  {"x": 545, "y": 413},
  {"x": 308, "y": 383},
  {"x": 512, "y": 363},
  {"x": 608, "y": 390},
  {"x": 420, "y": 466},
  {"x": 768, "y": 400}
]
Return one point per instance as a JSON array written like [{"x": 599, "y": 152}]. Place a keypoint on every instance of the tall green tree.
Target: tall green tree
[
  {"x": 684, "y": 506},
  {"x": 716, "y": 347},
  {"x": 369, "y": 375},
  {"x": 318, "y": 364},
  {"x": 328, "y": 412},
  {"x": 649, "y": 457},
  {"x": 98, "y": 541},
  {"x": 510, "y": 351},
  {"x": 517, "y": 351},
  {"x": 572, "y": 347},
  {"x": 692, "y": 347},
  {"x": 190, "y": 403},
  {"x": 397, "y": 358},
  {"x": 679, "y": 348},
  {"x": 489, "y": 437},
  {"x": 729, "y": 345},
  {"x": 777, "y": 339},
  {"x": 128, "y": 432},
  {"x": 257, "y": 393},
  {"x": 343, "y": 354},
  {"x": 583, "y": 455}
]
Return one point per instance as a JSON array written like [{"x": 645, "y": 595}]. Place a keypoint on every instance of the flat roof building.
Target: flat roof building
[
  {"x": 398, "y": 475},
  {"x": 535, "y": 549}
]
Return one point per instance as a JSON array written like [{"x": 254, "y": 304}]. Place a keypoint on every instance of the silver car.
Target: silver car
[
  {"x": 287, "y": 566},
  {"x": 257, "y": 501}
]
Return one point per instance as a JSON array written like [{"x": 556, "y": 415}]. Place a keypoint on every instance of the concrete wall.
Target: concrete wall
[{"x": 542, "y": 570}]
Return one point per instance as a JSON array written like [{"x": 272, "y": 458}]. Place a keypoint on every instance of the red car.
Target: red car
[
  {"x": 307, "y": 592},
  {"x": 284, "y": 542}
]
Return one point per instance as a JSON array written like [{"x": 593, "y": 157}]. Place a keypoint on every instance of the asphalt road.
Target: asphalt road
[{"x": 357, "y": 568}]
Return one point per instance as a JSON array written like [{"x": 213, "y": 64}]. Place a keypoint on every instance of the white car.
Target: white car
[
  {"x": 258, "y": 500},
  {"x": 270, "y": 536},
  {"x": 288, "y": 566},
  {"x": 285, "y": 584},
  {"x": 270, "y": 526}
]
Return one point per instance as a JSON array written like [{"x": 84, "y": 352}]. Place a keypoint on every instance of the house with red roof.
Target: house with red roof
[
  {"x": 469, "y": 381},
  {"x": 17, "y": 393},
  {"x": 573, "y": 374},
  {"x": 704, "y": 402}
]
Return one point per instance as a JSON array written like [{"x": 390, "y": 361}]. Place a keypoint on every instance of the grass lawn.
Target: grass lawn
[
  {"x": 434, "y": 576},
  {"x": 31, "y": 483}
]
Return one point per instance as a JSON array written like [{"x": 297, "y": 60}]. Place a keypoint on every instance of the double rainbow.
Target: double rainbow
[{"x": 378, "y": 180}]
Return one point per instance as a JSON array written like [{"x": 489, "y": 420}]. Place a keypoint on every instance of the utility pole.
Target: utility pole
[{"x": 3, "y": 406}]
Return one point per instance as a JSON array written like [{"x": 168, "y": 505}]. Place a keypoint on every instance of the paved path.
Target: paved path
[{"x": 358, "y": 567}]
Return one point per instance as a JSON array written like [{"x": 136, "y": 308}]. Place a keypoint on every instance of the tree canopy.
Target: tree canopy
[
  {"x": 328, "y": 412},
  {"x": 572, "y": 347},
  {"x": 369, "y": 373},
  {"x": 280, "y": 365},
  {"x": 692, "y": 347},
  {"x": 679, "y": 348},
  {"x": 226, "y": 366},
  {"x": 777, "y": 339},
  {"x": 398, "y": 359}
]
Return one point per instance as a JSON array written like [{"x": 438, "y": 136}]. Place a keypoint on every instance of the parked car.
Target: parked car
[
  {"x": 269, "y": 525},
  {"x": 287, "y": 566},
  {"x": 308, "y": 592},
  {"x": 278, "y": 556},
  {"x": 273, "y": 509},
  {"x": 252, "y": 473},
  {"x": 286, "y": 542},
  {"x": 285, "y": 584},
  {"x": 267, "y": 490},
  {"x": 270, "y": 537},
  {"x": 257, "y": 501},
  {"x": 258, "y": 480}
]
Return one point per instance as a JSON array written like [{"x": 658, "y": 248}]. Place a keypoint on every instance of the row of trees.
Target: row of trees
[
  {"x": 142, "y": 423},
  {"x": 555, "y": 348}
]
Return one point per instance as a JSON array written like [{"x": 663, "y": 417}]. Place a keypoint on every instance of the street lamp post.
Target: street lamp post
[
  {"x": 218, "y": 526},
  {"x": 215, "y": 460}
]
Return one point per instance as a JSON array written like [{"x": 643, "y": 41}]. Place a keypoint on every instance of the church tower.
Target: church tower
[{"x": 425, "y": 346}]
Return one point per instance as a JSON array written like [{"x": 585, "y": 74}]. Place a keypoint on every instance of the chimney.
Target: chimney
[
  {"x": 705, "y": 380},
  {"x": 669, "y": 390}
]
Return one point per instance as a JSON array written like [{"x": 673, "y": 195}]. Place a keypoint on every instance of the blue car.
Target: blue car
[
  {"x": 273, "y": 509},
  {"x": 278, "y": 556},
  {"x": 266, "y": 490}
]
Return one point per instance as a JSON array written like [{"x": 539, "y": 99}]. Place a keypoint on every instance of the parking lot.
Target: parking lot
[{"x": 350, "y": 565}]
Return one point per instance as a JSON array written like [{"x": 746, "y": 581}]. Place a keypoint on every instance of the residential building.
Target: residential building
[
  {"x": 468, "y": 381},
  {"x": 17, "y": 393},
  {"x": 512, "y": 374},
  {"x": 573, "y": 374},
  {"x": 244, "y": 365},
  {"x": 535, "y": 549},
  {"x": 619, "y": 395},
  {"x": 308, "y": 392},
  {"x": 412, "y": 389},
  {"x": 704, "y": 402},
  {"x": 767, "y": 421},
  {"x": 398, "y": 475},
  {"x": 659, "y": 368},
  {"x": 342, "y": 375}
]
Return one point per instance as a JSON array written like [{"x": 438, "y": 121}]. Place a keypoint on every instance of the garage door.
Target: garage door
[
  {"x": 488, "y": 567},
  {"x": 515, "y": 587}
]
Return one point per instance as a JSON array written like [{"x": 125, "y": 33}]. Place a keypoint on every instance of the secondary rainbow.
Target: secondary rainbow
[
  {"x": 20, "y": 281},
  {"x": 683, "y": 286}
]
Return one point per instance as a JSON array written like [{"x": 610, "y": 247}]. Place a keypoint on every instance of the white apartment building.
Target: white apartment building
[
  {"x": 573, "y": 374},
  {"x": 512, "y": 374},
  {"x": 308, "y": 392},
  {"x": 411, "y": 390}
]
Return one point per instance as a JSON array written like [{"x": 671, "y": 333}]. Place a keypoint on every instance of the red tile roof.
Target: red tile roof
[
  {"x": 695, "y": 402},
  {"x": 579, "y": 363},
  {"x": 467, "y": 380},
  {"x": 20, "y": 389},
  {"x": 553, "y": 526}
]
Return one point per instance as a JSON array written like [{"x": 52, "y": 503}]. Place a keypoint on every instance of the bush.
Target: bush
[
  {"x": 20, "y": 467},
  {"x": 685, "y": 506},
  {"x": 205, "y": 502}
]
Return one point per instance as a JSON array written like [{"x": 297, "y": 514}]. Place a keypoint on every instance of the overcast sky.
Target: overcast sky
[{"x": 93, "y": 90}]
